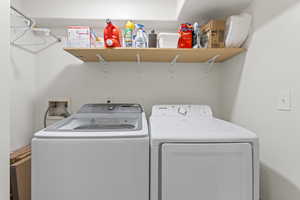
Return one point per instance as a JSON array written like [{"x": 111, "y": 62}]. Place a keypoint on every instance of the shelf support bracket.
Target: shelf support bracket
[
  {"x": 174, "y": 61},
  {"x": 213, "y": 59},
  {"x": 138, "y": 58},
  {"x": 172, "y": 65},
  {"x": 211, "y": 63},
  {"x": 101, "y": 59}
]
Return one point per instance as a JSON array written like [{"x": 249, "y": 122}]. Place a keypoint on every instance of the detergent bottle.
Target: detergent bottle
[
  {"x": 112, "y": 35},
  {"x": 186, "y": 36},
  {"x": 140, "y": 39},
  {"x": 128, "y": 34}
]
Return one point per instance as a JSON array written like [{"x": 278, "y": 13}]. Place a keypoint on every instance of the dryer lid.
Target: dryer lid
[{"x": 193, "y": 123}]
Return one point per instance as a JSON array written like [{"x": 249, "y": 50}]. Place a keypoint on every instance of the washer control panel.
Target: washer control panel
[{"x": 191, "y": 111}]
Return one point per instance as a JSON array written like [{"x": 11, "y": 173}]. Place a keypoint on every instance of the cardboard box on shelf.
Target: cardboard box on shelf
[
  {"x": 79, "y": 37},
  {"x": 214, "y": 31}
]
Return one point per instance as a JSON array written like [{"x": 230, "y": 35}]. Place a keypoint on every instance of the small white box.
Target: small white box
[
  {"x": 79, "y": 37},
  {"x": 168, "y": 40}
]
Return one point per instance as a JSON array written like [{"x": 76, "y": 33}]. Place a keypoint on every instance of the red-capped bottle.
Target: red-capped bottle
[{"x": 112, "y": 35}]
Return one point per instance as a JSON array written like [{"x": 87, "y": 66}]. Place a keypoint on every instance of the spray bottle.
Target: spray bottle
[{"x": 140, "y": 40}]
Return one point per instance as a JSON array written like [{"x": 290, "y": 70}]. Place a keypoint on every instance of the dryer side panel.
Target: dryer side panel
[{"x": 215, "y": 171}]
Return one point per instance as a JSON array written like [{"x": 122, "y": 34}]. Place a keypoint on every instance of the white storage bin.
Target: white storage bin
[{"x": 168, "y": 40}]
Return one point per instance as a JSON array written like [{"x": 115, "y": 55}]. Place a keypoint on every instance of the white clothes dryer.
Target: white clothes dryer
[{"x": 196, "y": 156}]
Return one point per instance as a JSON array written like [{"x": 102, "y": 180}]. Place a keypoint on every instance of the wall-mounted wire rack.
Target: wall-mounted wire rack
[{"x": 28, "y": 27}]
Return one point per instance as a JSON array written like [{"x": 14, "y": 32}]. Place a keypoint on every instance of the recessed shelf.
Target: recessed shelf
[{"x": 154, "y": 54}]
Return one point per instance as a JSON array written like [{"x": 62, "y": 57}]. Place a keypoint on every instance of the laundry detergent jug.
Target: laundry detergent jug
[
  {"x": 185, "y": 36},
  {"x": 112, "y": 35}
]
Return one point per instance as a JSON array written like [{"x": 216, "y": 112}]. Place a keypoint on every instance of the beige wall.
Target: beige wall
[
  {"x": 62, "y": 75},
  {"x": 252, "y": 84},
  {"x": 22, "y": 109},
  {"x": 22, "y": 65},
  {"x": 4, "y": 99}
]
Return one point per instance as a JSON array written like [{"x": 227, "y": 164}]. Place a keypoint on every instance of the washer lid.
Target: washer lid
[
  {"x": 101, "y": 120},
  {"x": 99, "y": 127}
]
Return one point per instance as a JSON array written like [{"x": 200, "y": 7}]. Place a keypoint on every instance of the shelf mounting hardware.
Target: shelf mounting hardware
[
  {"x": 172, "y": 65},
  {"x": 211, "y": 63},
  {"x": 105, "y": 68},
  {"x": 138, "y": 58},
  {"x": 174, "y": 61},
  {"x": 101, "y": 59},
  {"x": 213, "y": 59}
]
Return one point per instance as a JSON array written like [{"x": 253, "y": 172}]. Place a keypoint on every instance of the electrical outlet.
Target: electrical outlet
[{"x": 284, "y": 100}]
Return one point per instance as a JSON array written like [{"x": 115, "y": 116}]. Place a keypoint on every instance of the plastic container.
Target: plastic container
[
  {"x": 168, "y": 40},
  {"x": 152, "y": 39},
  {"x": 112, "y": 35},
  {"x": 96, "y": 41},
  {"x": 128, "y": 34}
]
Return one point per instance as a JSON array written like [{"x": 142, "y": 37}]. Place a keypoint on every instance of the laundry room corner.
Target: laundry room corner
[
  {"x": 252, "y": 85},
  {"x": 150, "y": 100}
]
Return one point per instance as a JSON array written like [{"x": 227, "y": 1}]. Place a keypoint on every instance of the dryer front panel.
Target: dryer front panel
[{"x": 212, "y": 171}]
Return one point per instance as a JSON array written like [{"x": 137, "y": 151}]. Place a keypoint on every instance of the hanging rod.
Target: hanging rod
[{"x": 31, "y": 22}]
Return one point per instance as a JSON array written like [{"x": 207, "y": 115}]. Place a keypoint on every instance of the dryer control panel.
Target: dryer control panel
[{"x": 189, "y": 111}]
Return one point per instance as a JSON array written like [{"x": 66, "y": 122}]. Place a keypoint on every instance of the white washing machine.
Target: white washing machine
[
  {"x": 196, "y": 156},
  {"x": 101, "y": 152}
]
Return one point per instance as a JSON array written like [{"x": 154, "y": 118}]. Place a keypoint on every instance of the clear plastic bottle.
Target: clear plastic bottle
[{"x": 140, "y": 40}]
